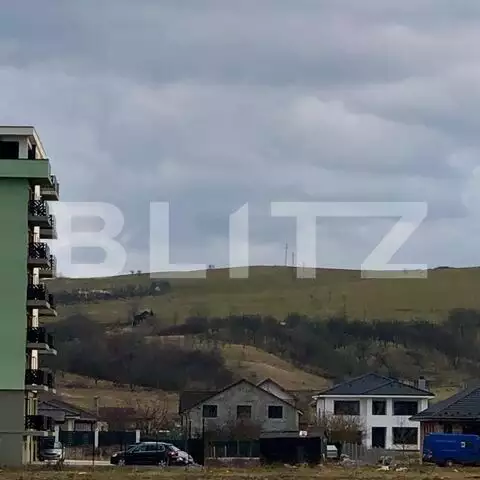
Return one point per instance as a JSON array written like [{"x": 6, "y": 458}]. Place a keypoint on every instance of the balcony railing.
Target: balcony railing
[
  {"x": 51, "y": 301},
  {"x": 51, "y": 192},
  {"x": 37, "y": 335},
  {"x": 35, "y": 377},
  {"x": 39, "y": 423},
  {"x": 38, "y": 208},
  {"x": 37, "y": 292},
  {"x": 39, "y": 378},
  {"x": 49, "y": 270},
  {"x": 38, "y": 251},
  {"x": 50, "y": 381}
]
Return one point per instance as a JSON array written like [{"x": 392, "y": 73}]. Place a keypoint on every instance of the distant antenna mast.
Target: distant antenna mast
[
  {"x": 294, "y": 270},
  {"x": 286, "y": 254}
]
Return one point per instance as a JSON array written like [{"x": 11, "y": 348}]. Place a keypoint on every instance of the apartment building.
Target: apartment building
[{"x": 26, "y": 185}]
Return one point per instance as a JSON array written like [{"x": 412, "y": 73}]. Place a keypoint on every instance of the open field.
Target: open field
[
  {"x": 276, "y": 291},
  {"x": 81, "y": 391},
  {"x": 254, "y": 364},
  {"x": 250, "y": 474}
]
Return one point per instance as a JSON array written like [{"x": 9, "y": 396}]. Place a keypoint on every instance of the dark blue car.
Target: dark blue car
[{"x": 446, "y": 449}]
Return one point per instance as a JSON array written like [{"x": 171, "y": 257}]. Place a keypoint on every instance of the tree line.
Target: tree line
[
  {"x": 336, "y": 347},
  {"x": 339, "y": 347},
  {"x": 85, "y": 348}
]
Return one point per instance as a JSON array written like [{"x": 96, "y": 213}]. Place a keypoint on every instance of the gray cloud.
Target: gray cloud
[{"x": 209, "y": 105}]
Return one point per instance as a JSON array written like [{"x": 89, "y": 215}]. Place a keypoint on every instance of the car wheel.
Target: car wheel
[
  {"x": 449, "y": 463},
  {"x": 121, "y": 462}
]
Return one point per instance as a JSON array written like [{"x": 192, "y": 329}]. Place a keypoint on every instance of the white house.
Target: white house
[{"x": 383, "y": 407}]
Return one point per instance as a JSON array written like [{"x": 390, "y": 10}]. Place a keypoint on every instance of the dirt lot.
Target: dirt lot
[{"x": 252, "y": 474}]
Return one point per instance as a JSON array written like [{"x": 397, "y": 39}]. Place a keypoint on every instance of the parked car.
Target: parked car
[
  {"x": 51, "y": 451},
  {"x": 446, "y": 449},
  {"x": 152, "y": 453}
]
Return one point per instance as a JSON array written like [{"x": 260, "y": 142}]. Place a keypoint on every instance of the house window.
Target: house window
[
  {"x": 210, "y": 411},
  {"x": 405, "y": 436},
  {"x": 447, "y": 428},
  {"x": 275, "y": 411},
  {"x": 244, "y": 411},
  {"x": 379, "y": 407},
  {"x": 344, "y": 407},
  {"x": 405, "y": 408}
]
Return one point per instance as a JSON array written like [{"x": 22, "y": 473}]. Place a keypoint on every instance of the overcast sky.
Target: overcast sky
[{"x": 212, "y": 104}]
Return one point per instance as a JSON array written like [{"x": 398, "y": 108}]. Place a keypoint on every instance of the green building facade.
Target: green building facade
[{"x": 26, "y": 186}]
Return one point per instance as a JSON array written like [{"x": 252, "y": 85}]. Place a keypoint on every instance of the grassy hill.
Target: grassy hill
[
  {"x": 276, "y": 291},
  {"x": 246, "y": 362}
]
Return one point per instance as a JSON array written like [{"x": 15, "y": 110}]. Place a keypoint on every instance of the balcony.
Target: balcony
[
  {"x": 39, "y": 339},
  {"x": 39, "y": 298},
  {"x": 50, "y": 270},
  {"x": 39, "y": 380},
  {"x": 38, "y": 255},
  {"x": 39, "y": 425},
  {"x": 49, "y": 232},
  {"x": 38, "y": 213},
  {"x": 51, "y": 191}
]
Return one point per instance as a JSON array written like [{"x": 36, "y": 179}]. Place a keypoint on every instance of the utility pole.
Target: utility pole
[{"x": 286, "y": 254}]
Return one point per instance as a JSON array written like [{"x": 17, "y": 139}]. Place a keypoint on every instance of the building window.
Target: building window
[
  {"x": 405, "y": 436},
  {"x": 9, "y": 150},
  {"x": 379, "y": 407},
  {"x": 344, "y": 407},
  {"x": 275, "y": 411},
  {"x": 405, "y": 408},
  {"x": 210, "y": 411},
  {"x": 244, "y": 411}
]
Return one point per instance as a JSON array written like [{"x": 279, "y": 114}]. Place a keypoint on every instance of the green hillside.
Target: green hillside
[{"x": 276, "y": 291}]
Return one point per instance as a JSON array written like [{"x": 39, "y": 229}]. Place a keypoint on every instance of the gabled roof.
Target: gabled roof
[
  {"x": 191, "y": 399},
  {"x": 464, "y": 405},
  {"x": 59, "y": 410},
  {"x": 269, "y": 380},
  {"x": 372, "y": 384}
]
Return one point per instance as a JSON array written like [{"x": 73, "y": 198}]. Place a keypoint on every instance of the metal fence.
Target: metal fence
[
  {"x": 234, "y": 449},
  {"x": 95, "y": 445},
  {"x": 361, "y": 453}
]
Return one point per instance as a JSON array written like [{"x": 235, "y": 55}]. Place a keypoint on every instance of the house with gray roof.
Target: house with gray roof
[
  {"x": 381, "y": 406},
  {"x": 66, "y": 416},
  {"x": 241, "y": 403},
  {"x": 457, "y": 414}
]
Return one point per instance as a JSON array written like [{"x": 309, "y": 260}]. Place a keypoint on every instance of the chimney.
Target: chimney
[{"x": 422, "y": 383}]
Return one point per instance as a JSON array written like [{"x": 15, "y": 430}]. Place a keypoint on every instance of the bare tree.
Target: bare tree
[
  {"x": 151, "y": 415},
  {"x": 235, "y": 428},
  {"x": 341, "y": 428}
]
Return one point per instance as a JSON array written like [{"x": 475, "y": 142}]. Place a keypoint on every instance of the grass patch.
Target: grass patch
[
  {"x": 276, "y": 291},
  {"x": 325, "y": 473}
]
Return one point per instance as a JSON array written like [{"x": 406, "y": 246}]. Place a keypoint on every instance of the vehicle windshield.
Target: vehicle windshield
[
  {"x": 51, "y": 443},
  {"x": 131, "y": 448}
]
